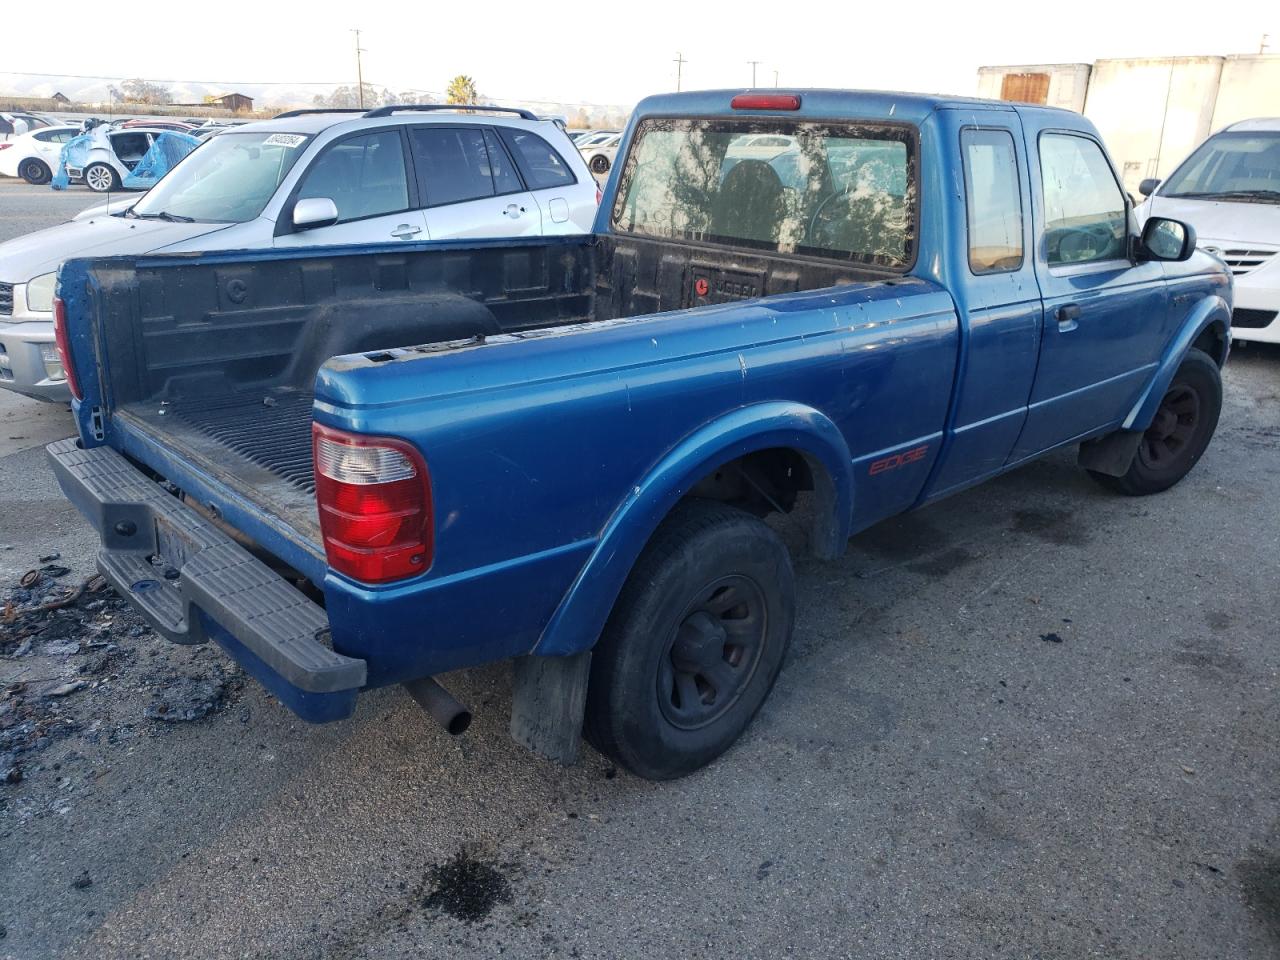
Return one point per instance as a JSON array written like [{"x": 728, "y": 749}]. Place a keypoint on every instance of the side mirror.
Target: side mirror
[
  {"x": 314, "y": 212},
  {"x": 1169, "y": 240},
  {"x": 1148, "y": 186}
]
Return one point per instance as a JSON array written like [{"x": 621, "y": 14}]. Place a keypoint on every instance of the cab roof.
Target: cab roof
[{"x": 831, "y": 104}]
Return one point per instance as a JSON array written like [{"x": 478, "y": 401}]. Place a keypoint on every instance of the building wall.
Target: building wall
[
  {"x": 1068, "y": 82},
  {"x": 1152, "y": 112},
  {"x": 1250, "y": 88}
]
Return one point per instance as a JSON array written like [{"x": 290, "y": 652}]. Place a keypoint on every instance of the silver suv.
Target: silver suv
[{"x": 309, "y": 177}]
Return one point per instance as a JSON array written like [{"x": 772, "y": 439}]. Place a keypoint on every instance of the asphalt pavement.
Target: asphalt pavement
[{"x": 1033, "y": 720}]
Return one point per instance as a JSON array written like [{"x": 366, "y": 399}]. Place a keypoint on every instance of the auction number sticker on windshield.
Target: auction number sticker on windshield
[{"x": 284, "y": 140}]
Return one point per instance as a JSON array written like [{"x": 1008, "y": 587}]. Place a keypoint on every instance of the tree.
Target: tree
[
  {"x": 462, "y": 89},
  {"x": 141, "y": 91}
]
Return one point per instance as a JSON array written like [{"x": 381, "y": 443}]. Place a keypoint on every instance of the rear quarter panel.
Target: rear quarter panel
[{"x": 535, "y": 442}]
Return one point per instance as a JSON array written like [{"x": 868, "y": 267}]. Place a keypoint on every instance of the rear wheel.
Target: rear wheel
[
  {"x": 599, "y": 164},
  {"x": 694, "y": 643},
  {"x": 1179, "y": 434},
  {"x": 100, "y": 178},
  {"x": 35, "y": 171}
]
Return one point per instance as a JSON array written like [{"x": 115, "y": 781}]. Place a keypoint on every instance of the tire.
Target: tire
[
  {"x": 708, "y": 610},
  {"x": 101, "y": 174},
  {"x": 1179, "y": 435},
  {"x": 35, "y": 171},
  {"x": 599, "y": 163}
]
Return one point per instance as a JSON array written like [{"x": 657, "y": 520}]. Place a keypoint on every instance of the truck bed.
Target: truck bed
[{"x": 212, "y": 360}]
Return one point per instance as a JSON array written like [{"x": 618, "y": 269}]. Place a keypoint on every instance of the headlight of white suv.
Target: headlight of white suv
[{"x": 40, "y": 293}]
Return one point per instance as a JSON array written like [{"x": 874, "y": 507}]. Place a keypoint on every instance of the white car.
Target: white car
[
  {"x": 601, "y": 154},
  {"x": 308, "y": 178},
  {"x": 1229, "y": 190},
  {"x": 112, "y": 154},
  {"x": 16, "y": 124},
  {"x": 33, "y": 156}
]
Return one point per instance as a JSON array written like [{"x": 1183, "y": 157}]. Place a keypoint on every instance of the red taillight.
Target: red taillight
[
  {"x": 5, "y": 146},
  {"x": 599, "y": 195},
  {"x": 374, "y": 496},
  {"x": 765, "y": 101},
  {"x": 64, "y": 347}
]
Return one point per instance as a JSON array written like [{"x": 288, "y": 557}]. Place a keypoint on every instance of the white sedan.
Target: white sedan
[
  {"x": 600, "y": 155},
  {"x": 34, "y": 156}
]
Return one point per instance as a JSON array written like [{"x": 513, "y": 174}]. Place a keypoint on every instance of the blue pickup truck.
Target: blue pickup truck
[{"x": 359, "y": 466}]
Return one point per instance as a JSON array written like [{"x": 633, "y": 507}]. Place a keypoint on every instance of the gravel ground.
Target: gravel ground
[{"x": 1034, "y": 720}]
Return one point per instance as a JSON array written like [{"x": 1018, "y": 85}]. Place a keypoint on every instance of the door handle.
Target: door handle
[
  {"x": 1068, "y": 312},
  {"x": 513, "y": 210},
  {"x": 405, "y": 230}
]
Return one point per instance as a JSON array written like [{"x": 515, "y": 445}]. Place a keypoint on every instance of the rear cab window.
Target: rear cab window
[
  {"x": 845, "y": 191},
  {"x": 993, "y": 200}
]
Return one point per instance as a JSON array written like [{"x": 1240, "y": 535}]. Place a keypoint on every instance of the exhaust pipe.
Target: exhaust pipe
[{"x": 440, "y": 705}]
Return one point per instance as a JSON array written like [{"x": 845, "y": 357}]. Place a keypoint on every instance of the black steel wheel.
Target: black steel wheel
[
  {"x": 599, "y": 163},
  {"x": 694, "y": 642},
  {"x": 1179, "y": 433},
  {"x": 35, "y": 171}
]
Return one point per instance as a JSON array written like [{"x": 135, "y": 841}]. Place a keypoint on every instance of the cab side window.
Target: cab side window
[
  {"x": 1084, "y": 211},
  {"x": 993, "y": 201},
  {"x": 364, "y": 176}
]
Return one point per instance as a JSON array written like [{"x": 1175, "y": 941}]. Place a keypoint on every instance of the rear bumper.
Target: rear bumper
[{"x": 194, "y": 583}]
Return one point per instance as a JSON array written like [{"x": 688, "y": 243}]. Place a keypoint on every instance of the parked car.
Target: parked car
[
  {"x": 17, "y": 124},
  {"x": 1229, "y": 190},
  {"x": 392, "y": 175},
  {"x": 586, "y": 138},
  {"x": 559, "y": 451},
  {"x": 600, "y": 155},
  {"x": 154, "y": 123},
  {"x": 33, "y": 156},
  {"x": 108, "y": 156}
]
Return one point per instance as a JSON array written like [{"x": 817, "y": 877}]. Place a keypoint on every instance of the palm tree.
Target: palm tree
[{"x": 462, "y": 89}]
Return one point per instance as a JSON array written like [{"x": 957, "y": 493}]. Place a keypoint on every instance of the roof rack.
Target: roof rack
[
  {"x": 310, "y": 110},
  {"x": 470, "y": 107}
]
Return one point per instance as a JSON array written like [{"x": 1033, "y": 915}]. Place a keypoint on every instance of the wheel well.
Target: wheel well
[
  {"x": 1212, "y": 340},
  {"x": 769, "y": 481}
]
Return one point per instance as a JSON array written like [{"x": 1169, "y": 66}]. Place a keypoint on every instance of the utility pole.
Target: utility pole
[
  {"x": 775, "y": 79},
  {"x": 1262, "y": 47},
  {"x": 754, "y": 64},
  {"x": 679, "y": 61},
  {"x": 359, "y": 71}
]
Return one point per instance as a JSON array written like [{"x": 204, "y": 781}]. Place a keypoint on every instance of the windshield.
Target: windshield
[
  {"x": 845, "y": 191},
  {"x": 227, "y": 179},
  {"x": 1244, "y": 166}
]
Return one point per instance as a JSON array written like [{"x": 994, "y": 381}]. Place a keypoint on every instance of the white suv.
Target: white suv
[{"x": 309, "y": 178}]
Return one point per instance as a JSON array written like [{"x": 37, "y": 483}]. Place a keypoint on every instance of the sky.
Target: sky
[{"x": 616, "y": 53}]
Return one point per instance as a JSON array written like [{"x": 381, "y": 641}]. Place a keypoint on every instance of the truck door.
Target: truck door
[
  {"x": 1105, "y": 316},
  {"x": 471, "y": 187},
  {"x": 993, "y": 283}
]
